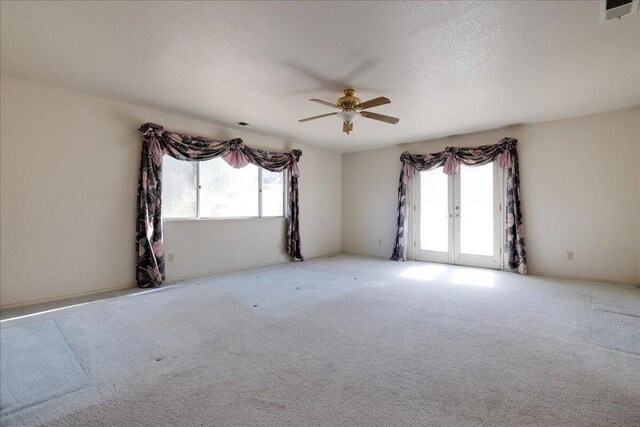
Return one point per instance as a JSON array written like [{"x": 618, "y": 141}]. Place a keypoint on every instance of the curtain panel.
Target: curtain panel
[
  {"x": 156, "y": 142},
  {"x": 450, "y": 159}
]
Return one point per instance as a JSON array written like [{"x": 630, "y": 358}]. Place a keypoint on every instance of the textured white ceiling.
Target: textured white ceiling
[{"x": 448, "y": 67}]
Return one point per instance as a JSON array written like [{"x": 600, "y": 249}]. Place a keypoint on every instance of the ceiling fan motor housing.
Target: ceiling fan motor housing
[{"x": 349, "y": 101}]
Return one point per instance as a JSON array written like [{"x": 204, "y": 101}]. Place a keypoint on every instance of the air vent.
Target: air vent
[
  {"x": 616, "y": 9},
  {"x": 242, "y": 124}
]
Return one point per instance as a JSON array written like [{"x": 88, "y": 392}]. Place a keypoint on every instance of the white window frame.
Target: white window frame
[
  {"x": 285, "y": 197},
  {"x": 452, "y": 256}
]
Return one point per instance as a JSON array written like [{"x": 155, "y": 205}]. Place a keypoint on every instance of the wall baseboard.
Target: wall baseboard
[
  {"x": 534, "y": 274},
  {"x": 133, "y": 286},
  {"x": 588, "y": 279},
  {"x": 65, "y": 297},
  {"x": 176, "y": 280}
]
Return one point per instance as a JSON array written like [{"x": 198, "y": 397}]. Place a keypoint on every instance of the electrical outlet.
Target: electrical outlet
[
  {"x": 171, "y": 257},
  {"x": 569, "y": 255}
]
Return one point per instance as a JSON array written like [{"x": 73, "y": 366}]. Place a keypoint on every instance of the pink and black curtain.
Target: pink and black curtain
[
  {"x": 156, "y": 143},
  {"x": 450, "y": 159}
]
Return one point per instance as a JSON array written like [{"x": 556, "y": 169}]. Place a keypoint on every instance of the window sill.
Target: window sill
[{"x": 241, "y": 218}]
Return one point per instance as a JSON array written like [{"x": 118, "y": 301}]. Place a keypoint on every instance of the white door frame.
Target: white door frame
[
  {"x": 453, "y": 256},
  {"x": 480, "y": 260},
  {"x": 434, "y": 256}
]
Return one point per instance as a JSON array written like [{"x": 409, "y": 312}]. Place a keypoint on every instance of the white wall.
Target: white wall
[
  {"x": 370, "y": 201},
  {"x": 69, "y": 168},
  {"x": 69, "y": 165},
  {"x": 580, "y": 184}
]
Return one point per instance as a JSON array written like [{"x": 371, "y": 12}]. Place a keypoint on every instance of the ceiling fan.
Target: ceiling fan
[{"x": 352, "y": 109}]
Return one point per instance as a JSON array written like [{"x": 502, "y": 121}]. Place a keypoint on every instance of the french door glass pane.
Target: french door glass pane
[
  {"x": 434, "y": 211},
  {"x": 272, "y": 193},
  {"x": 476, "y": 209},
  {"x": 226, "y": 192},
  {"x": 179, "y": 188}
]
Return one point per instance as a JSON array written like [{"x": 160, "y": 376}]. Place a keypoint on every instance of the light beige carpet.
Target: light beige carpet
[{"x": 332, "y": 341}]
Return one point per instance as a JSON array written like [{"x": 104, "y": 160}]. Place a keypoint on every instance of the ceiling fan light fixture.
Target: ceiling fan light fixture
[
  {"x": 348, "y": 116},
  {"x": 352, "y": 109}
]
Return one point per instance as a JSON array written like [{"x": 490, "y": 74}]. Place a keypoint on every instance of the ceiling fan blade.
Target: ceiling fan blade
[
  {"x": 320, "y": 101},
  {"x": 373, "y": 103},
  {"x": 381, "y": 117},
  {"x": 317, "y": 117}
]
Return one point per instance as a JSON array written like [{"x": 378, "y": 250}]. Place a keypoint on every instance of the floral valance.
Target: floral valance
[
  {"x": 156, "y": 143},
  {"x": 450, "y": 159},
  {"x": 234, "y": 151}
]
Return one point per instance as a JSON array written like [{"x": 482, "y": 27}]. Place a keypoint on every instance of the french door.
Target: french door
[{"x": 458, "y": 217}]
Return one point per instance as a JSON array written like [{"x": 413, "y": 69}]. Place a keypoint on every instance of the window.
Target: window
[
  {"x": 179, "y": 188},
  {"x": 227, "y": 192},
  {"x": 213, "y": 189}
]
